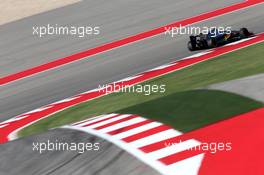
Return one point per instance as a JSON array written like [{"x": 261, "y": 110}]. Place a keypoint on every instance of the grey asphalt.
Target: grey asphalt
[
  {"x": 18, "y": 157},
  {"x": 20, "y": 50},
  {"x": 252, "y": 87},
  {"x": 54, "y": 85},
  {"x": 117, "y": 19}
]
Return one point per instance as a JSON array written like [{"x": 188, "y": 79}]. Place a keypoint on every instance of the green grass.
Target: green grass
[
  {"x": 193, "y": 109},
  {"x": 245, "y": 62}
]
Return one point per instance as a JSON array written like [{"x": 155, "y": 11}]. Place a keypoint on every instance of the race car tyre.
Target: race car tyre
[
  {"x": 190, "y": 46},
  {"x": 244, "y": 32},
  {"x": 211, "y": 43}
]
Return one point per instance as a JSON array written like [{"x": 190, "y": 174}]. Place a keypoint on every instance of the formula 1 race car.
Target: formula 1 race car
[{"x": 216, "y": 38}]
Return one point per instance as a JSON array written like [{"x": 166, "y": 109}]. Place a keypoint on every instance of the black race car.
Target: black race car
[{"x": 216, "y": 38}]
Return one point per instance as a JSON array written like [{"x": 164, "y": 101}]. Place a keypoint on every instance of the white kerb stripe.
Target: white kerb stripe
[
  {"x": 128, "y": 78},
  {"x": 103, "y": 117},
  {"x": 162, "y": 66},
  {"x": 89, "y": 119},
  {"x": 122, "y": 124},
  {"x": 109, "y": 121},
  {"x": 188, "y": 166},
  {"x": 240, "y": 41},
  {"x": 39, "y": 109},
  {"x": 3, "y": 125},
  {"x": 66, "y": 100},
  {"x": 137, "y": 130},
  {"x": 155, "y": 138},
  {"x": 197, "y": 55},
  {"x": 175, "y": 148}
]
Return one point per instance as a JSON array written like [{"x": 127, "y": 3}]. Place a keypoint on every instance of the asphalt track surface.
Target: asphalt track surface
[
  {"x": 18, "y": 158},
  {"x": 117, "y": 19},
  {"x": 252, "y": 87},
  {"x": 23, "y": 51},
  {"x": 33, "y": 92}
]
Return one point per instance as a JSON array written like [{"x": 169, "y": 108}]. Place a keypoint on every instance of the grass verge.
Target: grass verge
[
  {"x": 193, "y": 109},
  {"x": 238, "y": 64}
]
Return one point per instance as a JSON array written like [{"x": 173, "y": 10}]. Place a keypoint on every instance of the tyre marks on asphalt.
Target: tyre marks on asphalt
[
  {"x": 171, "y": 152},
  {"x": 134, "y": 133},
  {"x": 108, "y": 160}
]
